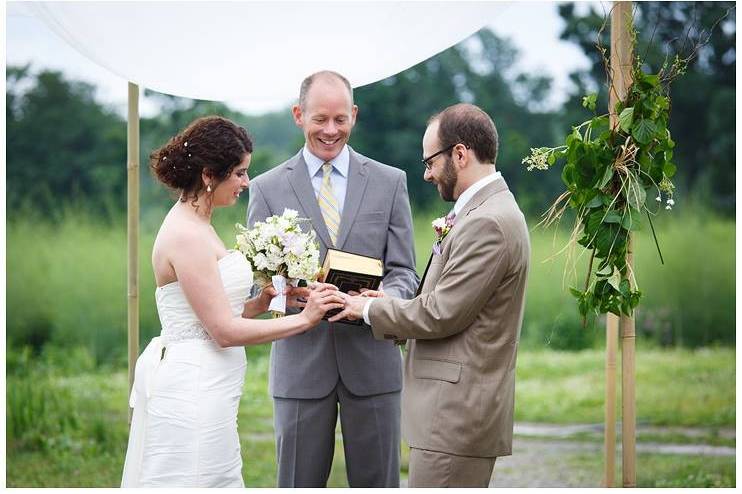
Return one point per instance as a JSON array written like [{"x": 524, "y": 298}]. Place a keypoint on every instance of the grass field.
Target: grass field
[
  {"x": 66, "y": 347},
  {"x": 69, "y": 428}
]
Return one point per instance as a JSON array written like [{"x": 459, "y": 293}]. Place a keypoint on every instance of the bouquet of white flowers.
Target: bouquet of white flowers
[{"x": 280, "y": 253}]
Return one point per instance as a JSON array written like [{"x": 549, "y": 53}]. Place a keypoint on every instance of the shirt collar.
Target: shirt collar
[
  {"x": 341, "y": 162},
  {"x": 473, "y": 189}
]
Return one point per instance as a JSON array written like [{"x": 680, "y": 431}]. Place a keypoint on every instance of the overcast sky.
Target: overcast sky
[{"x": 532, "y": 26}]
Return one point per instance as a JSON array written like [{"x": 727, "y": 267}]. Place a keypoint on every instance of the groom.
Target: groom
[
  {"x": 359, "y": 205},
  {"x": 457, "y": 400}
]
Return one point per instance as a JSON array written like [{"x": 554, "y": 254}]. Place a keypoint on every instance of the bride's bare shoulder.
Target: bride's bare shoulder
[{"x": 179, "y": 236}]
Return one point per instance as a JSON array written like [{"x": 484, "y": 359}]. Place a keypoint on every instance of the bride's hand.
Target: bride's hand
[
  {"x": 297, "y": 296},
  {"x": 322, "y": 297},
  {"x": 264, "y": 298}
]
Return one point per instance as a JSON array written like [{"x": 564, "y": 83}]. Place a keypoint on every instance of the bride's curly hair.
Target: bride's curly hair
[{"x": 212, "y": 143}]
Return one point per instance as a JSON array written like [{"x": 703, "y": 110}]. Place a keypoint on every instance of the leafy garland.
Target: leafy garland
[{"x": 609, "y": 173}]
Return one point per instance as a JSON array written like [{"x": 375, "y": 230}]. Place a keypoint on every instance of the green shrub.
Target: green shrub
[{"x": 39, "y": 416}]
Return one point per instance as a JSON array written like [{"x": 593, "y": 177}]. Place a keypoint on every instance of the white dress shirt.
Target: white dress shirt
[
  {"x": 457, "y": 207},
  {"x": 338, "y": 177}
]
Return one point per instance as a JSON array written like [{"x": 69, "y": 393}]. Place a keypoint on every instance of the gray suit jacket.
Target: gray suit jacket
[
  {"x": 459, "y": 379},
  {"x": 377, "y": 222}
]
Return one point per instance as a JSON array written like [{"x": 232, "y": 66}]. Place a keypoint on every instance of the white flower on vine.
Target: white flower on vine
[
  {"x": 668, "y": 207},
  {"x": 670, "y": 202},
  {"x": 539, "y": 159},
  {"x": 659, "y": 198}
]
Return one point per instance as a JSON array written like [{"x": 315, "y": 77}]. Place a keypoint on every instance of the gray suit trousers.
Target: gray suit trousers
[{"x": 305, "y": 438}]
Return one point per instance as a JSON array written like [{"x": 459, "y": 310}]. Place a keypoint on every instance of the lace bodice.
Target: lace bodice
[{"x": 177, "y": 318}]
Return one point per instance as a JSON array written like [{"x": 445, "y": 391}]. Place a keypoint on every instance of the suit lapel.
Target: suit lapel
[
  {"x": 476, "y": 201},
  {"x": 302, "y": 185},
  {"x": 357, "y": 179}
]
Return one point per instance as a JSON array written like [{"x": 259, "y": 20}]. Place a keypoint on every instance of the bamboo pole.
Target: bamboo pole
[
  {"x": 621, "y": 60},
  {"x": 609, "y": 443},
  {"x": 628, "y": 381},
  {"x": 132, "y": 167}
]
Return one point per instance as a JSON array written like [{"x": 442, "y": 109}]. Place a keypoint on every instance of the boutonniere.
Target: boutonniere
[{"x": 441, "y": 226}]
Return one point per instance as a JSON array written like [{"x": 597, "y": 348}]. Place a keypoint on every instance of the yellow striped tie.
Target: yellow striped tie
[{"x": 328, "y": 204}]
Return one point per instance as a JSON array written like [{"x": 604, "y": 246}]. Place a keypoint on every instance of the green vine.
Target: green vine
[{"x": 610, "y": 172}]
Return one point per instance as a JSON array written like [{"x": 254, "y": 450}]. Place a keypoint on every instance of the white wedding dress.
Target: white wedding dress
[{"x": 186, "y": 393}]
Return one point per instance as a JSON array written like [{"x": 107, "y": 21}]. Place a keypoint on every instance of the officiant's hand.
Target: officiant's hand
[
  {"x": 365, "y": 292},
  {"x": 353, "y": 308},
  {"x": 322, "y": 297},
  {"x": 371, "y": 293}
]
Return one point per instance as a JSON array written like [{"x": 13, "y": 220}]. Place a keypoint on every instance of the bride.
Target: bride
[{"x": 188, "y": 381}]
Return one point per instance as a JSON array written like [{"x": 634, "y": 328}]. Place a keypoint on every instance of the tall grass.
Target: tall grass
[
  {"x": 688, "y": 300},
  {"x": 67, "y": 282}
]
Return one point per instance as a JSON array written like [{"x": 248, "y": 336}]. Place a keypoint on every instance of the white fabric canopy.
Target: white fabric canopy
[{"x": 258, "y": 50}]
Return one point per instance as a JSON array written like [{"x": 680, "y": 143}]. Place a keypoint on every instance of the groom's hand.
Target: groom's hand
[{"x": 353, "y": 308}]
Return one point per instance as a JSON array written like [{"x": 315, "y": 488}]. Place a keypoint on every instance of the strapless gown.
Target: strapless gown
[{"x": 186, "y": 394}]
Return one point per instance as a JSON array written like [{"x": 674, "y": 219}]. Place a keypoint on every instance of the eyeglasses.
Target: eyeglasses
[{"x": 427, "y": 161}]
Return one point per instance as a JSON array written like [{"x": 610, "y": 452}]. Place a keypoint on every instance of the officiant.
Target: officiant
[{"x": 359, "y": 205}]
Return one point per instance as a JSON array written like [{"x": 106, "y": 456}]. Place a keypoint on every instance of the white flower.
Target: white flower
[
  {"x": 668, "y": 207},
  {"x": 279, "y": 246},
  {"x": 670, "y": 202},
  {"x": 282, "y": 225},
  {"x": 274, "y": 261},
  {"x": 439, "y": 223},
  {"x": 658, "y": 198},
  {"x": 296, "y": 246},
  {"x": 261, "y": 262}
]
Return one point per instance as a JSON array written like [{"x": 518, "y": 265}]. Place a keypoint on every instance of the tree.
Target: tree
[
  {"x": 61, "y": 143},
  {"x": 393, "y": 113}
]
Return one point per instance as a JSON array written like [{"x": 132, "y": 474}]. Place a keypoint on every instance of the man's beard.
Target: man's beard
[{"x": 448, "y": 180}]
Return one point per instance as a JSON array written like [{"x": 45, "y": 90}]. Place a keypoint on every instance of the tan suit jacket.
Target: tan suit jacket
[{"x": 459, "y": 381}]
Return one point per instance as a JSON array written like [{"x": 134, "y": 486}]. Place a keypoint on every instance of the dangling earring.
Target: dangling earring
[{"x": 208, "y": 188}]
